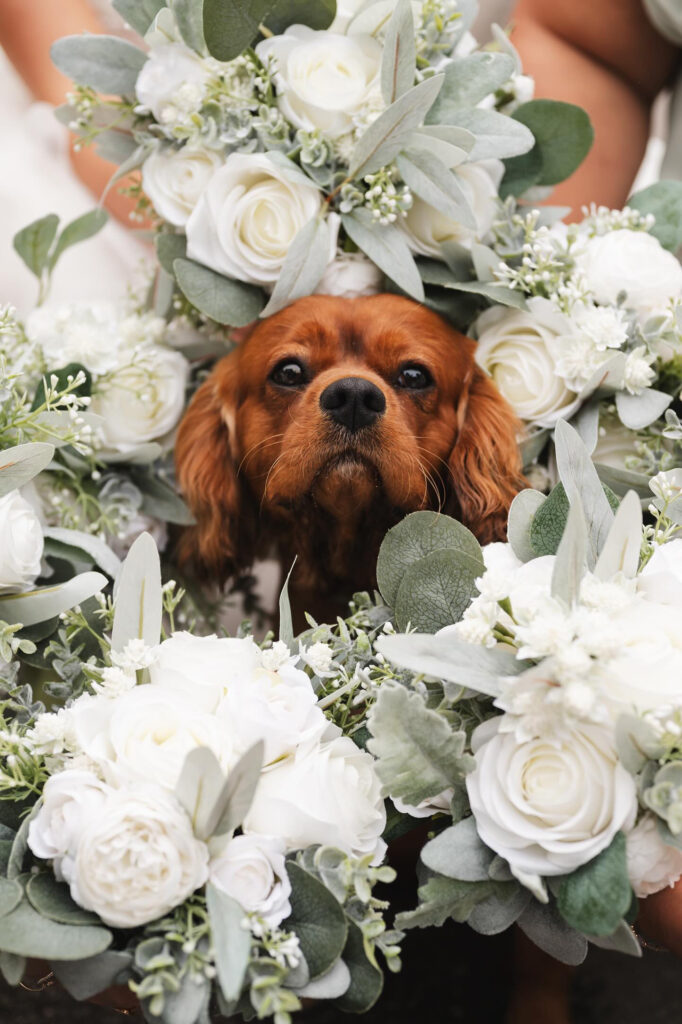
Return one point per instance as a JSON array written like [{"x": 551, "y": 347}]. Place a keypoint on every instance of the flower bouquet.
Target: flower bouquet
[
  {"x": 542, "y": 730},
  {"x": 193, "y": 823}
]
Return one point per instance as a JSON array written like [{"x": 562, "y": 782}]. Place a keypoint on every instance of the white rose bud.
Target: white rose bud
[
  {"x": 22, "y": 543},
  {"x": 329, "y": 794},
  {"x": 323, "y": 79},
  {"x": 137, "y": 858},
  {"x": 174, "y": 180},
  {"x": 633, "y": 262},
  {"x": 351, "y": 275},
  {"x": 652, "y": 865},
  {"x": 70, "y": 799},
  {"x": 142, "y": 400},
  {"x": 548, "y": 806},
  {"x": 252, "y": 871},
  {"x": 248, "y": 217},
  {"x": 519, "y": 351}
]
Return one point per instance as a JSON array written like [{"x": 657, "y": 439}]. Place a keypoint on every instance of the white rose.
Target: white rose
[
  {"x": 203, "y": 668},
  {"x": 247, "y": 218},
  {"x": 351, "y": 275},
  {"x": 174, "y": 180},
  {"x": 22, "y": 543},
  {"x": 137, "y": 858},
  {"x": 427, "y": 228},
  {"x": 172, "y": 83},
  {"x": 142, "y": 400},
  {"x": 70, "y": 799},
  {"x": 252, "y": 871},
  {"x": 518, "y": 350},
  {"x": 329, "y": 794},
  {"x": 633, "y": 262},
  {"x": 646, "y": 671},
  {"x": 323, "y": 79},
  {"x": 652, "y": 864},
  {"x": 548, "y": 806}
]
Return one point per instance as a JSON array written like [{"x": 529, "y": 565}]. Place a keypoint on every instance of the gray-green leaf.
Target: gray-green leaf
[
  {"x": 27, "y": 933},
  {"x": 231, "y": 942},
  {"x": 436, "y": 590},
  {"x": 386, "y": 245},
  {"x": 138, "y": 604},
  {"x": 105, "y": 63},
  {"x": 317, "y": 919},
  {"x": 563, "y": 135},
  {"x": 443, "y": 898},
  {"x": 580, "y": 480},
  {"x": 34, "y": 242},
  {"x": 432, "y": 181},
  {"x": 79, "y": 230},
  {"x": 138, "y": 13},
  {"x": 84, "y": 979},
  {"x": 468, "y": 81},
  {"x": 305, "y": 263},
  {"x": 189, "y": 16},
  {"x": 595, "y": 897},
  {"x": 496, "y": 134},
  {"x": 366, "y": 980},
  {"x": 398, "y": 62},
  {"x": 232, "y": 25},
  {"x": 35, "y": 606},
  {"x": 52, "y": 899},
  {"x": 521, "y": 514},
  {"x": 457, "y": 852},
  {"x": 22, "y": 463},
  {"x": 638, "y": 411},
  {"x": 220, "y": 298},
  {"x": 664, "y": 200}
]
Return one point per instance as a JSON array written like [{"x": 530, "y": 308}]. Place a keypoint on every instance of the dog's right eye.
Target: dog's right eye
[{"x": 288, "y": 373}]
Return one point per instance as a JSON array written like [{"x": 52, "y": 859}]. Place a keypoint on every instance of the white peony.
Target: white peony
[
  {"x": 549, "y": 806},
  {"x": 143, "y": 399},
  {"x": 519, "y": 351},
  {"x": 329, "y": 794},
  {"x": 427, "y": 228},
  {"x": 248, "y": 216},
  {"x": 22, "y": 543},
  {"x": 137, "y": 858},
  {"x": 252, "y": 870},
  {"x": 652, "y": 864},
  {"x": 78, "y": 333},
  {"x": 633, "y": 262},
  {"x": 351, "y": 275},
  {"x": 70, "y": 799},
  {"x": 174, "y": 180},
  {"x": 323, "y": 79},
  {"x": 172, "y": 83}
]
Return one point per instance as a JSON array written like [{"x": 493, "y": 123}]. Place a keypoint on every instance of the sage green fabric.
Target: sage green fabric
[{"x": 666, "y": 15}]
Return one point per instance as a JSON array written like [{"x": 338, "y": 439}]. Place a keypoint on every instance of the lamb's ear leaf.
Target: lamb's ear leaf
[
  {"x": 544, "y": 926},
  {"x": 624, "y": 541},
  {"x": 231, "y": 942},
  {"x": 20, "y": 464},
  {"x": 580, "y": 480},
  {"x": 79, "y": 230},
  {"x": 521, "y": 513},
  {"x": 469, "y": 80},
  {"x": 569, "y": 565},
  {"x": 399, "y": 59},
  {"x": 138, "y": 601},
  {"x": 106, "y": 63},
  {"x": 622, "y": 940},
  {"x": 199, "y": 786},
  {"x": 238, "y": 792},
  {"x": 286, "y": 625},
  {"x": 594, "y": 897},
  {"x": 457, "y": 852}
]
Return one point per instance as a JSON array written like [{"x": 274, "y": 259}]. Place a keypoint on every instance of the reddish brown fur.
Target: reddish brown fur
[{"x": 263, "y": 466}]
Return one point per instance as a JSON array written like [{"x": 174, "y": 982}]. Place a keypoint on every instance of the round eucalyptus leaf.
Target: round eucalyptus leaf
[
  {"x": 25, "y": 932},
  {"x": 52, "y": 900},
  {"x": 318, "y": 920},
  {"x": 436, "y": 590}
]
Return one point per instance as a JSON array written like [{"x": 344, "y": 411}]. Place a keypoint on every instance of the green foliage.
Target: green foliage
[
  {"x": 549, "y": 522},
  {"x": 61, "y": 380},
  {"x": 366, "y": 980},
  {"x": 106, "y": 63},
  {"x": 190, "y": 22},
  {"x": 458, "y": 853},
  {"x": 45, "y": 603},
  {"x": 138, "y": 606},
  {"x": 386, "y": 246},
  {"x": 230, "y": 26},
  {"x": 468, "y": 81},
  {"x": 316, "y": 14},
  {"x": 217, "y": 297},
  {"x": 169, "y": 248},
  {"x": 21, "y": 464},
  {"x": 303, "y": 267},
  {"x": 52, "y": 900},
  {"x": 433, "y": 272},
  {"x": 664, "y": 201},
  {"x": 40, "y": 246},
  {"x": 25, "y": 932},
  {"x": 563, "y": 137},
  {"x": 496, "y": 134},
  {"x": 594, "y": 897},
  {"x": 521, "y": 517},
  {"x": 85, "y": 978},
  {"x": 432, "y": 180},
  {"x": 138, "y": 13},
  {"x": 441, "y": 899},
  {"x": 399, "y": 59},
  {"x": 317, "y": 919},
  {"x": 231, "y": 942}
]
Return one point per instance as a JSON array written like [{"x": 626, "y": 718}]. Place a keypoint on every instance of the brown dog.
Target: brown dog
[{"x": 332, "y": 421}]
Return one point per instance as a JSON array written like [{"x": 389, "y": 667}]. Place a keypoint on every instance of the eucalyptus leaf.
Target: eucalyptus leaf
[
  {"x": 139, "y": 13},
  {"x": 169, "y": 248},
  {"x": 386, "y": 245},
  {"x": 160, "y": 500},
  {"x": 52, "y": 899},
  {"x": 390, "y": 132},
  {"x": 636, "y": 743},
  {"x": 189, "y": 17},
  {"x": 35, "y": 606},
  {"x": 189, "y": 1004},
  {"x": 469, "y": 80},
  {"x": 436, "y": 590},
  {"x": 17, "y": 856},
  {"x": 317, "y": 919},
  {"x": 399, "y": 58},
  {"x": 305, "y": 263},
  {"x": 418, "y": 753},
  {"x": 580, "y": 480},
  {"x": 138, "y": 602},
  {"x": 220, "y": 298},
  {"x": 638, "y": 411},
  {"x": 434, "y": 272},
  {"x": 86, "y": 978},
  {"x": 620, "y": 553},
  {"x": 457, "y": 852},
  {"x": 316, "y": 14},
  {"x": 496, "y": 134},
  {"x": 11, "y": 895},
  {"x": 521, "y": 173},
  {"x": 664, "y": 201},
  {"x": 594, "y": 897},
  {"x": 231, "y": 942},
  {"x": 100, "y": 552},
  {"x": 79, "y": 230},
  {"x": 447, "y": 658},
  {"x": 230, "y": 26},
  {"x": 331, "y": 985},
  {"x": 12, "y": 968},
  {"x": 25, "y": 932},
  {"x": 366, "y": 980},
  {"x": 563, "y": 135},
  {"x": 22, "y": 463},
  {"x": 448, "y": 154},
  {"x": 521, "y": 514},
  {"x": 435, "y": 183},
  {"x": 546, "y": 928},
  {"x": 34, "y": 242},
  {"x": 569, "y": 565},
  {"x": 106, "y": 63}
]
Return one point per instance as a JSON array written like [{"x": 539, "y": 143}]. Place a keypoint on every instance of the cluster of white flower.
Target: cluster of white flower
[{"x": 124, "y": 843}]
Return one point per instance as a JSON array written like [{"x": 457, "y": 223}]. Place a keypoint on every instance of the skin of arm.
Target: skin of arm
[
  {"x": 27, "y": 30},
  {"x": 605, "y": 56}
]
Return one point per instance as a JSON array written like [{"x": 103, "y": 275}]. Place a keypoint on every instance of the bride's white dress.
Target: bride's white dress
[{"x": 36, "y": 178}]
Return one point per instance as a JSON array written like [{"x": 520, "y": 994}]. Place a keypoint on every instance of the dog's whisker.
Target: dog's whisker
[{"x": 268, "y": 442}]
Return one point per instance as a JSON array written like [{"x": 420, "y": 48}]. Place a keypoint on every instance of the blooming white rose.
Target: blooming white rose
[
  {"x": 646, "y": 671},
  {"x": 70, "y": 799},
  {"x": 143, "y": 400},
  {"x": 248, "y": 216},
  {"x": 652, "y": 864},
  {"x": 174, "y": 180},
  {"x": 137, "y": 858},
  {"x": 329, "y": 794},
  {"x": 633, "y": 262},
  {"x": 323, "y": 79},
  {"x": 252, "y": 871},
  {"x": 548, "y": 806},
  {"x": 22, "y": 543},
  {"x": 518, "y": 350},
  {"x": 427, "y": 228},
  {"x": 351, "y": 275},
  {"x": 172, "y": 83}
]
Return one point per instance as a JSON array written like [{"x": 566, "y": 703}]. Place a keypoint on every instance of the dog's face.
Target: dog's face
[{"x": 352, "y": 405}]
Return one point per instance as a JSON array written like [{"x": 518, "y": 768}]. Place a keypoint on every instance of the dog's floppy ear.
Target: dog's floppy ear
[
  {"x": 485, "y": 464},
  {"x": 207, "y": 474}
]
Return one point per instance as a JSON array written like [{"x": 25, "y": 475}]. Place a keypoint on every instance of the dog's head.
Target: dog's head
[{"x": 351, "y": 405}]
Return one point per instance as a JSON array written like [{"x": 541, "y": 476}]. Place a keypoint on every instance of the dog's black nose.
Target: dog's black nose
[{"x": 353, "y": 402}]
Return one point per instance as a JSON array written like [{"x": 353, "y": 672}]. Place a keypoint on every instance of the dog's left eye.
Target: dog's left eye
[
  {"x": 414, "y": 377},
  {"x": 288, "y": 373}
]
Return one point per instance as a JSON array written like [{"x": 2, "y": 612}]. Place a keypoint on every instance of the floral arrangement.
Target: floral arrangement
[
  {"x": 291, "y": 149},
  {"x": 542, "y": 727},
  {"x": 194, "y": 820}
]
